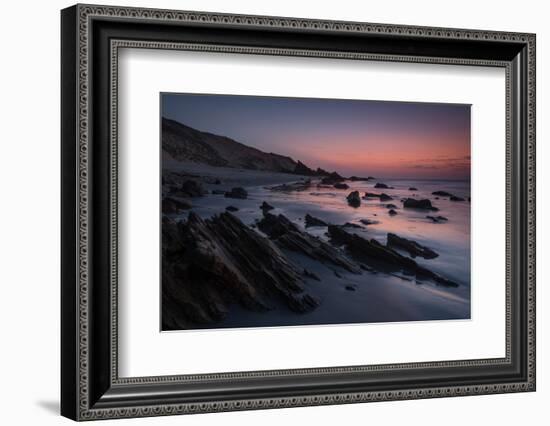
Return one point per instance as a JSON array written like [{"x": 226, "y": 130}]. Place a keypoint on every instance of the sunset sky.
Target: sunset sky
[{"x": 382, "y": 139}]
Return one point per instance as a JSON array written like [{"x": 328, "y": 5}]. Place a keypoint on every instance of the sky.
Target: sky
[{"x": 352, "y": 137}]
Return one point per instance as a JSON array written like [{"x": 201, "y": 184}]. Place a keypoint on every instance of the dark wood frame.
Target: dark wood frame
[{"x": 90, "y": 386}]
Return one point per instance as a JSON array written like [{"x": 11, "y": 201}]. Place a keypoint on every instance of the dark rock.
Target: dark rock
[
  {"x": 290, "y": 187},
  {"x": 411, "y": 246},
  {"x": 238, "y": 192},
  {"x": 231, "y": 209},
  {"x": 412, "y": 188},
  {"x": 368, "y": 222},
  {"x": 332, "y": 178},
  {"x": 189, "y": 188},
  {"x": 385, "y": 197},
  {"x": 359, "y": 179},
  {"x": 437, "y": 219},
  {"x": 392, "y": 212},
  {"x": 174, "y": 206},
  {"x": 217, "y": 182},
  {"x": 210, "y": 264},
  {"x": 468, "y": 199},
  {"x": 372, "y": 195},
  {"x": 313, "y": 221},
  {"x": 442, "y": 193},
  {"x": 424, "y": 204},
  {"x": 352, "y": 225},
  {"x": 218, "y": 192},
  {"x": 287, "y": 235},
  {"x": 354, "y": 200},
  {"x": 381, "y": 186},
  {"x": 302, "y": 169},
  {"x": 341, "y": 185},
  {"x": 265, "y": 207},
  {"x": 391, "y": 206},
  {"x": 350, "y": 288},
  {"x": 455, "y": 198},
  {"x": 371, "y": 251}
]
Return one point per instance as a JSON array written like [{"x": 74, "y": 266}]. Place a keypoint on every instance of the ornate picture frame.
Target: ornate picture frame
[{"x": 91, "y": 37}]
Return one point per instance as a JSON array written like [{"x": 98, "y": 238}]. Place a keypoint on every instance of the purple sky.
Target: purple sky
[{"x": 383, "y": 139}]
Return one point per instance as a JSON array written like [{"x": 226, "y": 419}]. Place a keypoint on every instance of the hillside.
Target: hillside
[{"x": 183, "y": 143}]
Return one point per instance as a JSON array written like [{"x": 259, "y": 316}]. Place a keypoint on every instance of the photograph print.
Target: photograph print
[{"x": 279, "y": 211}]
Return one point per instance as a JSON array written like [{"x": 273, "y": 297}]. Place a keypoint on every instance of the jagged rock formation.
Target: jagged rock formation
[
  {"x": 313, "y": 221},
  {"x": 174, "y": 206},
  {"x": 295, "y": 186},
  {"x": 371, "y": 251},
  {"x": 204, "y": 272},
  {"x": 414, "y": 248},
  {"x": 287, "y": 235},
  {"x": 265, "y": 207}
]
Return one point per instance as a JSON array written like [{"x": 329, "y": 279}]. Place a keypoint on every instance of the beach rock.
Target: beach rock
[
  {"x": 442, "y": 193},
  {"x": 354, "y": 200},
  {"x": 392, "y": 212},
  {"x": 368, "y": 221},
  {"x": 265, "y": 207},
  {"x": 380, "y": 185},
  {"x": 341, "y": 185},
  {"x": 385, "y": 197},
  {"x": 332, "y": 179},
  {"x": 189, "y": 188},
  {"x": 455, "y": 198},
  {"x": 391, "y": 206},
  {"x": 302, "y": 169},
  {"x": 412, "y": 188},
  {"x": 352, "y": 225},
  {"x": 350, "y": 287},
  {"x": 205, "y": 271},
  {"x": 424, "y": 204},
  {"x": 383, "y": 257},
  {"x": 290, "y": 187},
  {"x": 238, "y": 192},
  {"x": 231, "y": 209},
  {"x": 313, "y": 221},
  {"x": 359, "y": 179},
  {"x": 437, "y": 219},
  {"x": 414, "y": 248},
  {"x": 218, "y": 192},
  {"x": 174, "y": 206},
  {"x": 288, "y": 236},
  {"x": 372, "y": 195}
]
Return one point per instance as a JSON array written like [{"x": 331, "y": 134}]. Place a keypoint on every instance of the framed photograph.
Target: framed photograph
[{"x": 263, "y": 212}]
